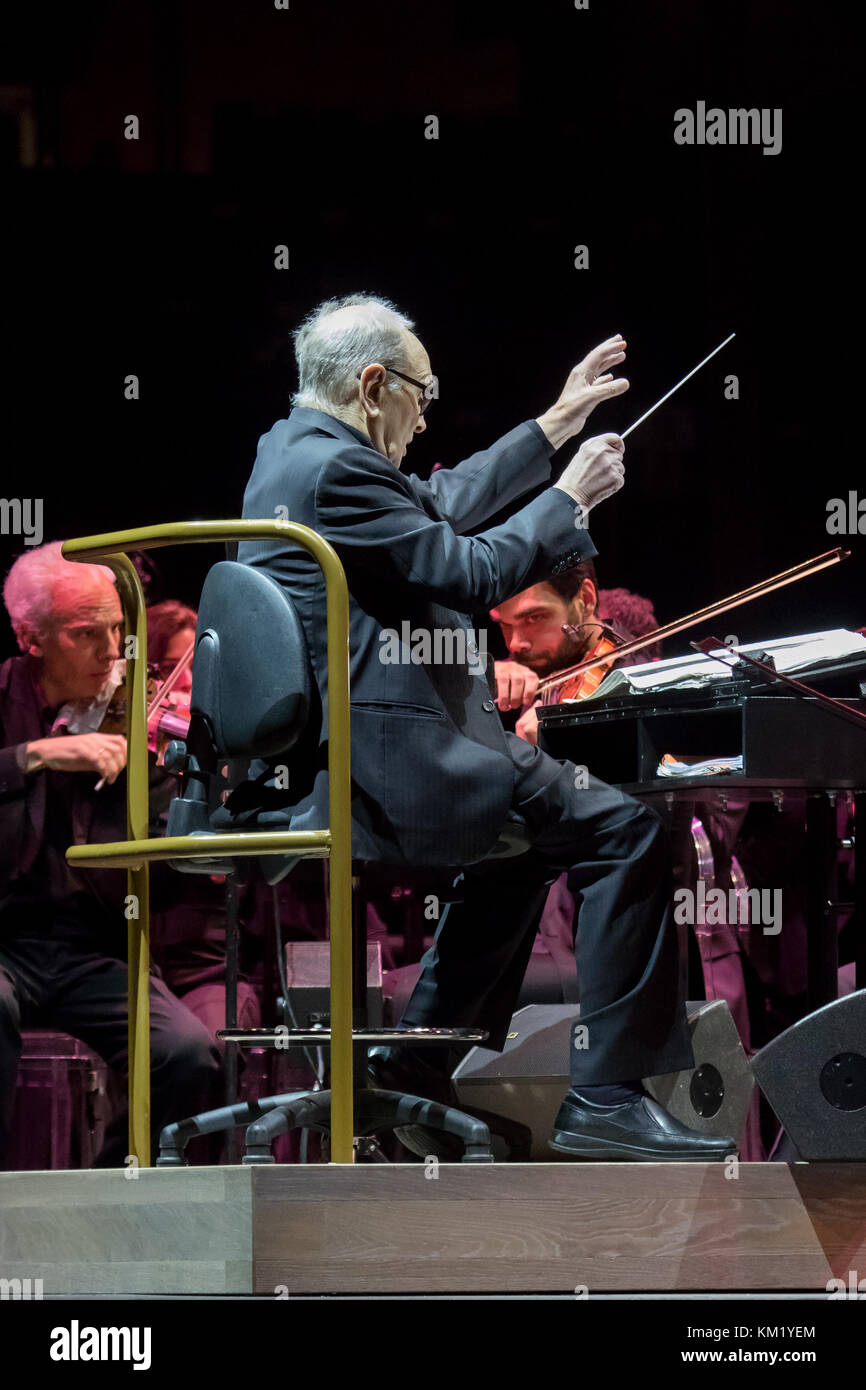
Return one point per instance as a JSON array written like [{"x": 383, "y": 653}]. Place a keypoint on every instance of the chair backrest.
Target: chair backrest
[{"x": 251, "y": 678}]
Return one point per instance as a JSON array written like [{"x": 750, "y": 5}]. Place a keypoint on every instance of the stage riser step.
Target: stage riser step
[{"x": 415, "y": 1228}]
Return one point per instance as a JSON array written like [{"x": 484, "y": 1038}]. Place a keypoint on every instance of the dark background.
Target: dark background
[{"x": 306, "y": 127}]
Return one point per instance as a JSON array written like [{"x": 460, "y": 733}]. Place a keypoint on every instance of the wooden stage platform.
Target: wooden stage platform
[{"x": 375, "y": 1228}]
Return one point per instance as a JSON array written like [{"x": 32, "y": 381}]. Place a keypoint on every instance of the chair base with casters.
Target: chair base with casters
[{"x": 375, "y": 1111}]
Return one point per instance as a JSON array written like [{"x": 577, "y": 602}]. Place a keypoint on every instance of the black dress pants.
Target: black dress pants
[
  {"x": 67, "y": 981},
  {"x": 632, "y": 1021}
]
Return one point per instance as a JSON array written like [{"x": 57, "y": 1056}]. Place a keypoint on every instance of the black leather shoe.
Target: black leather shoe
[{"x": 638, "y": 1131}]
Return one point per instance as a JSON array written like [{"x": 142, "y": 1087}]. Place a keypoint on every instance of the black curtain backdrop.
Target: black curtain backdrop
[{"x": 305, "y": 127}]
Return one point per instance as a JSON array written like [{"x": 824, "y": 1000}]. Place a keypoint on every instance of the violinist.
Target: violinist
[
  {"x": 63, "y": 931},
  {"x": 533, "y": 625}
]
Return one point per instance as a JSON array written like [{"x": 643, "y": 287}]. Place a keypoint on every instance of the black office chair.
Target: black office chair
[{"x": 255, "y": 711}]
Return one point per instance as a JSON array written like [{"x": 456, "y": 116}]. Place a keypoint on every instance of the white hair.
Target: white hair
[
  {"x": 33, "y": 580},
  {"x": 341, "y": 337}
]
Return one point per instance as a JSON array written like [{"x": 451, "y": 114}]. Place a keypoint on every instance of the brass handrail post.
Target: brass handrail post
[{"x": 137, "y": 905}]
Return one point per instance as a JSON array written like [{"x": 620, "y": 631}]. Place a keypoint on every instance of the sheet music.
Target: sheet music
[
  {"x": 695, "y": 672},
  {"x": 710, "y": 767}
]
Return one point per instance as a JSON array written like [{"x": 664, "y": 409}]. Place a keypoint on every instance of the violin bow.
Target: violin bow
[
  {"x": 167, "y": 686},
  {"x": 713, "y": 610},
  {"x": 170, "y": 681}
]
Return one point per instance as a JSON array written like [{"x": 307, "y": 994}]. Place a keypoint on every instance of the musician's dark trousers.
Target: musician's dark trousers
[
  {"x": 616, "y": 853},
  {"x": 67, "y": 983}
]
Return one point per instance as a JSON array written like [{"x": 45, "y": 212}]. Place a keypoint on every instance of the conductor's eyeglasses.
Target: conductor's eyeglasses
[{"x": 429, "y": 393}]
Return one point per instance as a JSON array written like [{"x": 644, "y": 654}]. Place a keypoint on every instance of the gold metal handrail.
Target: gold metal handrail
[{"x": 137, "y": 852}]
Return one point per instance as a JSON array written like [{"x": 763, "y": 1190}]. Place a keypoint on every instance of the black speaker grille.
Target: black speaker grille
[
  {"x": 707, "y": 1090},
  {"x": 843, "y": 1081}
]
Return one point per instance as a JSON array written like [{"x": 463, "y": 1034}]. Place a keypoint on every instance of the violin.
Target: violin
[
  {"x": 585, "y": 682},
  {"x": 168, "y": 713}
]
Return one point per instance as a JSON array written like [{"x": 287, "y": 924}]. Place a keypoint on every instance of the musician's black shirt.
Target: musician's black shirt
[{"x": 52, "y": 896}]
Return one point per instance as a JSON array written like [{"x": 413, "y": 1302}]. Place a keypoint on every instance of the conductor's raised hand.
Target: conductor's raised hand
[{"x": 588, "y": 384}]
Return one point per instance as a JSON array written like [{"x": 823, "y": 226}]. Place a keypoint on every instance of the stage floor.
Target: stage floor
[{"x": 568, "y": 1229}]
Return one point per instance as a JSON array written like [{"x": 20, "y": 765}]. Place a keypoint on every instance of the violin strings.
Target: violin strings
[{"x": 171, "y": 681}]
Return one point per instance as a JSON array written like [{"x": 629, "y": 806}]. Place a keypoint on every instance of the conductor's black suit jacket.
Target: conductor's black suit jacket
[{"x": 433, "y": 770}]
